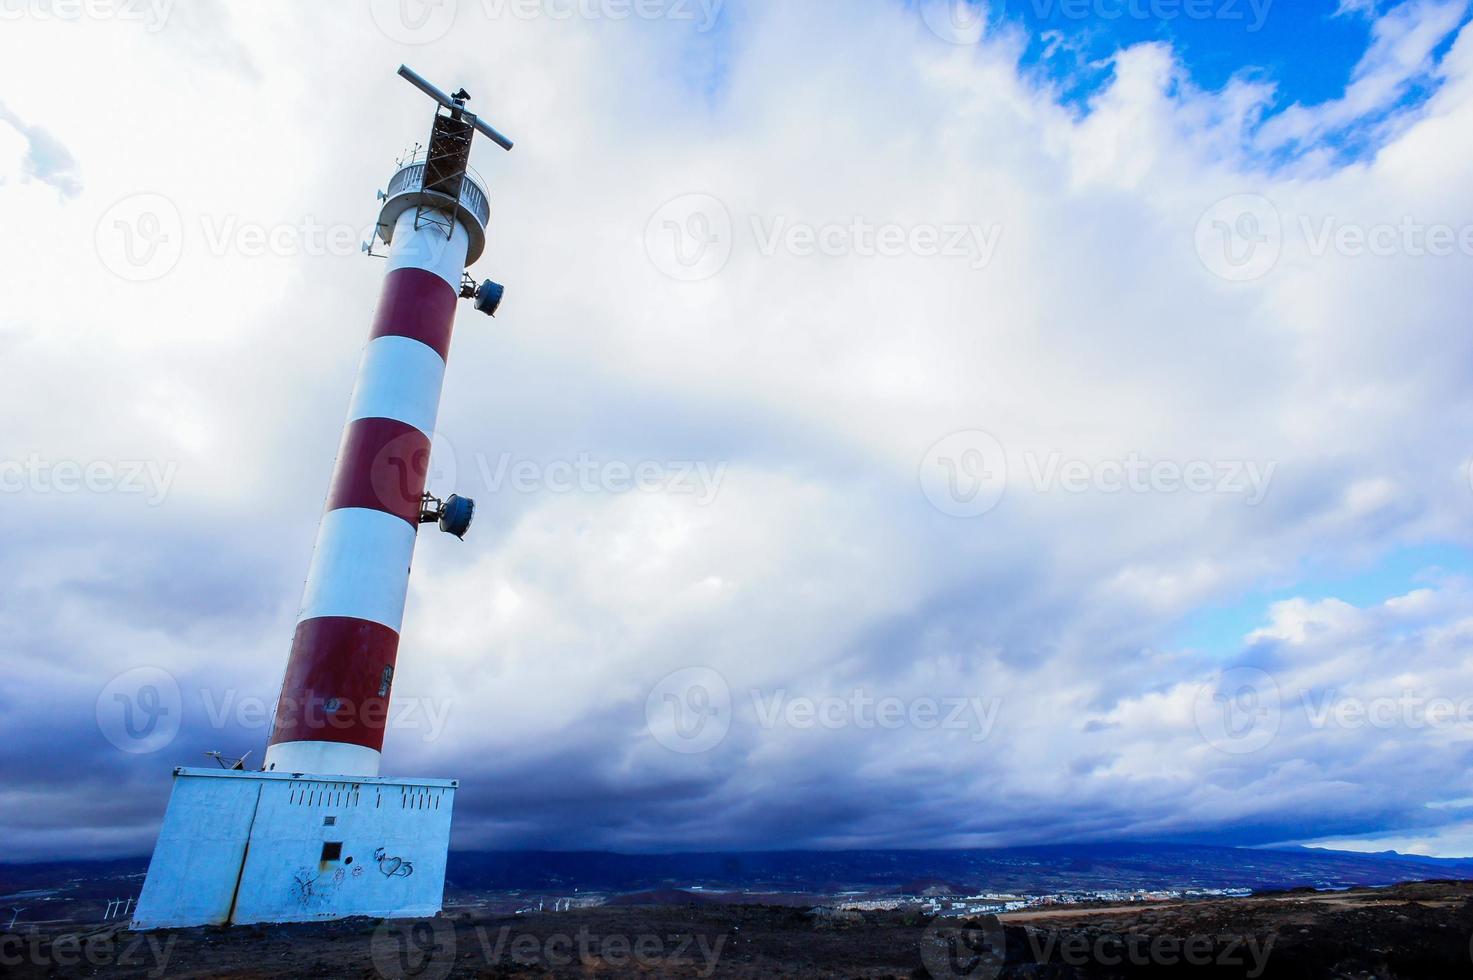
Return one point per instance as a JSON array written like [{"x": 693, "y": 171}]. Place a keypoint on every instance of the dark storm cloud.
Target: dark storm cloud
[{"x": 819, "y": 569}]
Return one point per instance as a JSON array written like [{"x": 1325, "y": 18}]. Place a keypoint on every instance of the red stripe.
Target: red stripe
[
  {"x": 419, "y": 305},
  {"x": 333, "y": 679},
  {"x": 382, "y": 465}
]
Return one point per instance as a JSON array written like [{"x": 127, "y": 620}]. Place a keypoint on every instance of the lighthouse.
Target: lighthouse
[
  {"x": 317, "y": 833},
  {"x": 335, "y": 696}
]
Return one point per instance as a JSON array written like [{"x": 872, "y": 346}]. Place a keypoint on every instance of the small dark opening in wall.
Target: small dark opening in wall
[
  {"x": 348, "y": 859},
  {"x": 332, "y": 850},
  {"x": 329, "y": 821}
]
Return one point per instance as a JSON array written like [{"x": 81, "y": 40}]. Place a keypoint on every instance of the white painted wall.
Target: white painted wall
[
  {"x": 196, "y": 862},
  {"x": 395, "y": 834}
]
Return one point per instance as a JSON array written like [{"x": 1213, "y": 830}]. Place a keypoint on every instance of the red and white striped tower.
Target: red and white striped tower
[
  {"x": 334, "y": 702},
  {"x": 230, "y": 835}
]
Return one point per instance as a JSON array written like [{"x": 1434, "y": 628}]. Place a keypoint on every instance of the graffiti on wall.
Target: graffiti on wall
[
  {"x": 392, "y": 867},
  {"x": 304, "y": 886}
]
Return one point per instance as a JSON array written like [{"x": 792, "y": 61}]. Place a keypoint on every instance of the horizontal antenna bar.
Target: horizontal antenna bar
[
  {"x": 420, "y": 82},
  {"x": 492, "y": 134}
]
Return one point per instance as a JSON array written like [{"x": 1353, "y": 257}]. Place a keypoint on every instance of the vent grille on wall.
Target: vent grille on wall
[{"x": 326, "y": 794}]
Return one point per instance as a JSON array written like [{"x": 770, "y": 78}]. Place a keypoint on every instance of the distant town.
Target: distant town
[{"x": 838, "y": 905}]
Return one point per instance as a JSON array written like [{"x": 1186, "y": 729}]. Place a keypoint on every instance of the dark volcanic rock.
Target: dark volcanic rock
[{"x": 1407, "y": 932}]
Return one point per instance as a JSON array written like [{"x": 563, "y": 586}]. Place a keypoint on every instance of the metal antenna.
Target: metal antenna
[{"x": 456, "y": 104}]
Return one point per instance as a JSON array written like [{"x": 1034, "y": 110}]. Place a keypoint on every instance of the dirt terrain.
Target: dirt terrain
[{"x": 1407, "y": 931}]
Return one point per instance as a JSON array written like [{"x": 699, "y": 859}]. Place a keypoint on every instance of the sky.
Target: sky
[{"x": 909, "y": 424}]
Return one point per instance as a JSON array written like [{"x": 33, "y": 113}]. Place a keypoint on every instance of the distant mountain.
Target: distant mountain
[
  {"x": 1023, "y": 869},
  {"x": 1389, "y": 856},
  {"x": 80, "y": 889}
]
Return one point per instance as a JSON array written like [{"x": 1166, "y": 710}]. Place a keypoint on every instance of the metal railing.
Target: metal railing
[{"x": 411, "y": 176}]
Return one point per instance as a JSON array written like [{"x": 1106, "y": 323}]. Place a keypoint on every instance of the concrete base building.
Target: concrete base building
[{"x": 242, "y": 847}]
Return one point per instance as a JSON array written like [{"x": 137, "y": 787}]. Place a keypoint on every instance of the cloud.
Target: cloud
[
  {"x": 1403, "y": 41},
  {"x": 44, "y": 157},
  {"x": 897, "y": 675}
]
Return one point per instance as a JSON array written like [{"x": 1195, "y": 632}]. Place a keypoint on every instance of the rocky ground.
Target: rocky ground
[{"x": 1408, "y": 931}]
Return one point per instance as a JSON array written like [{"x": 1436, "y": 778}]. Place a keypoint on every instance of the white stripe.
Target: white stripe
[
  {"x": 399, "y": 379},
  {"x": 426, "y": 247},
  {"x": 323, "y": 758},
  {"x": 360, "y": 568}
]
